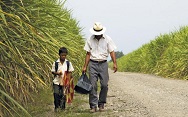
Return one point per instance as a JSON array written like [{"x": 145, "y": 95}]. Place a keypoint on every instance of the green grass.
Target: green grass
[
  {"x": 43, "y": 106},
  {"x": 42, "y": 100}
]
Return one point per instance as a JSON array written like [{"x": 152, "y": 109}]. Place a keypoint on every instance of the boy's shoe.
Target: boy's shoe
[
  {"x": 62, "y": 103},
  {"x": 93, "y": 110},
  {"x": 55, "y": 109},
  {"x": 101, "y": 108},
  {"x": 62, "y": 108}
]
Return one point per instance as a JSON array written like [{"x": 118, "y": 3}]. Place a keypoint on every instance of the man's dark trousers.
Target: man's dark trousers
[{"x": 98, "y": 70}]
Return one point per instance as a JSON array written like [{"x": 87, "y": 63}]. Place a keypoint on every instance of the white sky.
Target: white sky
[{"x": 130, "y": 23}]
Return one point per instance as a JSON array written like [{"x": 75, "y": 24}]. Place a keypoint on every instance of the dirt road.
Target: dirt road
[
  {"x": 140, "y": 95},
  {"x": 135, "y": 95}
]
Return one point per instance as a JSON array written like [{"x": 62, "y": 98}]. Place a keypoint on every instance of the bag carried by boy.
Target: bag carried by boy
[{"x": 83, "y": 85}]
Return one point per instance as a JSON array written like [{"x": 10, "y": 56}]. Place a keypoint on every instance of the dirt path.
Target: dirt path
[
  {"x": 140, "y": 95},
  {"x": 137, "y": 95}
]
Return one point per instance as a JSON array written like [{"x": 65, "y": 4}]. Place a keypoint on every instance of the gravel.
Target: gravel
[{"x": 142, "y": 95}]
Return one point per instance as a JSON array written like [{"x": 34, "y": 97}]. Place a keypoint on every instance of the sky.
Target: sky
[{"x": 130, "y": 23}]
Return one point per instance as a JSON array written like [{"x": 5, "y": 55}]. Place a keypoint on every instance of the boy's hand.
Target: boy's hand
[{"x": 59, "y": 73}]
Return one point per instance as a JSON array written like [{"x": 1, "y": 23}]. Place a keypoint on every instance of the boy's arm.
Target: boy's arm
[
  {"x": 53, "y": 70},
  {"x": 57, "y": 73}
]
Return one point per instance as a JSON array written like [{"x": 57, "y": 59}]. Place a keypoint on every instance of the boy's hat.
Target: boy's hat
[{"x": 97, "y": 29}]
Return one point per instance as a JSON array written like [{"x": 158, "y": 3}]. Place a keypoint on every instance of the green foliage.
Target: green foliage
[
  {"x": 31, "y": 33},
  {"x": 119, "y": 54},
  {"x": 44, "y": 107},
  {"x": 165, "y": 56}
]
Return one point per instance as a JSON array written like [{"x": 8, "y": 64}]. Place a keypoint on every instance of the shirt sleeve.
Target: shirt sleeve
[
  {"x": 111, "y": 45},
  {"x": 87, "y": 46},
  {"x": 71, "y": 68},
  {"x": 53, "y": 67}
]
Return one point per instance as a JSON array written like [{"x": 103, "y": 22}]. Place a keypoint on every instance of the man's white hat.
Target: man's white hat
[{"x": 97, "y": 29}]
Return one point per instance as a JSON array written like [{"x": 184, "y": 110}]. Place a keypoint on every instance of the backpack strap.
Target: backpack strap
[
  {"x": 68, "y": 64},
  {"x": 56, "y": 67}
]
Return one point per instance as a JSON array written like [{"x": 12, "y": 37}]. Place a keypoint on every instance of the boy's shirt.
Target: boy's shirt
[{"x": 63, "y": 68}]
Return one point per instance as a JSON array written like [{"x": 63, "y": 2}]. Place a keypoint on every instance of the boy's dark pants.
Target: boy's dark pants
[{"x": 59, "y": 98}]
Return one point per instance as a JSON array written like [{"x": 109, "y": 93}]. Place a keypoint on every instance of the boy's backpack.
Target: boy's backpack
[{"x": 56, "y": 66}]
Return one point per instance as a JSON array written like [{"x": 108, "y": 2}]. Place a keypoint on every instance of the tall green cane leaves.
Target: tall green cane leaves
[
  {"x": 31, "y": 32},
  {"x": 166, "y": 56},
  {"x": 10, "y": 106}
]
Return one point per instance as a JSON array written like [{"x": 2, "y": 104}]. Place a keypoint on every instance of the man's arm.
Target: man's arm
[
  {"x": 86, "y": 62},
  {"x": 113, "y": 56}
]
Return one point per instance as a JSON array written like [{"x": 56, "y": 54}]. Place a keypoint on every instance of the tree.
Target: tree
[{"x": 119, "y": 54}]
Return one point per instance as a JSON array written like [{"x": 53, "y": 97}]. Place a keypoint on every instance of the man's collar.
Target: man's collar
[{"x": 103, "y": 37}]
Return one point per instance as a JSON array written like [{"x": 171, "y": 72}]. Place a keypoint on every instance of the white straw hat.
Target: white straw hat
[{"x": 97, "y": 29}]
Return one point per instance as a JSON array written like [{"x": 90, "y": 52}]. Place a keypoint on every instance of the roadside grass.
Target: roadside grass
[
  {"x": 43, "y": 100},
  {"x": 164, "y": 56},
  {"x": 44, "y": 107}
]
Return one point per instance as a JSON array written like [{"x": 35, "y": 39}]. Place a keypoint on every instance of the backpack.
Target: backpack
[{"x": 56, "y": 66}]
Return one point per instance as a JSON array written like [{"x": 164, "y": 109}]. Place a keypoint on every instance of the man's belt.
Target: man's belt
[{"x": 98, "y": 61}]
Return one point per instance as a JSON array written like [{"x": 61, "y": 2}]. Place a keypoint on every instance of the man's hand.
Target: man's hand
[
  {"x": 115, "y": 68},
  {"x": 113, "y": 56},
  {"x": 84, "y": 69}
]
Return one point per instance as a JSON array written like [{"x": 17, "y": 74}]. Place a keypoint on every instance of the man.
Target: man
[{"x": 98, "y": 47}]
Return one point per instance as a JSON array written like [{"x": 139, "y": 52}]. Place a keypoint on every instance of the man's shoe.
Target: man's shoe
[
  {"x": 101, "y": 108},
  {"x": 93, "y": 110}
]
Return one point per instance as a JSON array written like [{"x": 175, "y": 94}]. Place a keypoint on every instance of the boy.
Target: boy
[{"x": 58, "y": 88}]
